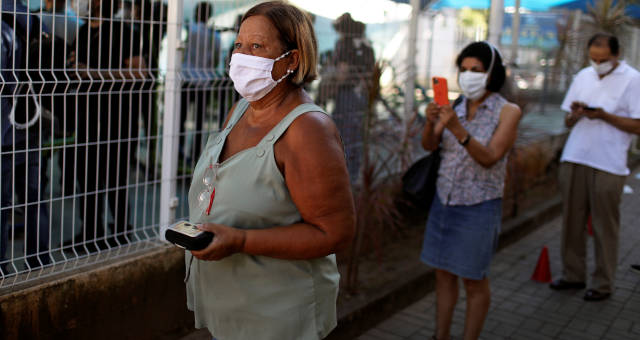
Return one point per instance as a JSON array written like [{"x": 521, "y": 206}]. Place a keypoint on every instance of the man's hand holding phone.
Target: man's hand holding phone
[
  {"x": 577, "y": 111},
  {"x": 580, "y": 109},
  {"x": 577, "y": 108},
  {"x": 593, "y": 112}
]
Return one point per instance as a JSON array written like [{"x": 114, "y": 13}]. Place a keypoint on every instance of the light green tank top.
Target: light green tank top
[{"x": 245, "y": 297}]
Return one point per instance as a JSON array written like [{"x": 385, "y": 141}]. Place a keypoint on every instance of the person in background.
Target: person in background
[
  {"x": 61, "y": 20},
  {"x": 107, "y": 123},
  {"x": 199, "y": 62},
  {"x": 23, "y": 132},
  {"x": 603, "y": 108},
  {"x": 227, "y": 95},
  {"x": 347, "y": 80},
  {"x": 153, "y": 29},
  {"x": 464, "y": 218},
  {"x": 273, "y": 188},
  {"x": 64, "y": 24}
]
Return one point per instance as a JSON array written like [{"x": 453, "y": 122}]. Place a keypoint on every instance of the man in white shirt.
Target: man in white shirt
[{"x": 604, "y": 113}]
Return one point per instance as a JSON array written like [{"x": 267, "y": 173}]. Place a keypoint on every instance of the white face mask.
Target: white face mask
[
  {"x": 473, "y": 84},
  {"x": 251, "y": 75},
  {"x": 602, "y": 68}
]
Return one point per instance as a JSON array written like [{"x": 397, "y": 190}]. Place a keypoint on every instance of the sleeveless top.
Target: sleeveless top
[
  {"x": 462, "y": 180},
  {"x": 256, "y": 297}
]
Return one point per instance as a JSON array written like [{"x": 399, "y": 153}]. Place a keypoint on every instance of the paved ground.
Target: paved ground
[{"x": 524, "y": 309}]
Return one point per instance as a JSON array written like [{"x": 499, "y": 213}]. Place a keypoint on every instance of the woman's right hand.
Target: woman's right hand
[
  {"x": 432, "y": 112},
  {"x": 226, "y": 241}
]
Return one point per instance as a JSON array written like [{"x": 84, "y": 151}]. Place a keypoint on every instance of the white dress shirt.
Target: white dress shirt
[{"x": 594, "y": 142}]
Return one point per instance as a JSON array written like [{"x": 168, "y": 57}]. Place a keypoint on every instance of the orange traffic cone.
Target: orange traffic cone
[
  {"x": 543, "y": 268},
  {"x": 589, "y": 226}
]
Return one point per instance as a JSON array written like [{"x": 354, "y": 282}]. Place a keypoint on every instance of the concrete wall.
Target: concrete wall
[{"x": 142, "y": 297}]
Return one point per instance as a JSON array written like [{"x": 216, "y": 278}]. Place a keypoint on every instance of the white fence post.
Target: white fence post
[
  {"x": 409, "y": 86},
  {"x": 515, "y": 35},
  {"x": 171, "y": 118},
  {"x": 495, "y": 21}
]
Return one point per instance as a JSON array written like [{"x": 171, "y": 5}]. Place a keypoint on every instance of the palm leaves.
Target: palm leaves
[{"x": 610, "y": 16}]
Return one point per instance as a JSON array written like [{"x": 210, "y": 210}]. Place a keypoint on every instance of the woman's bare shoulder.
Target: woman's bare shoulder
[
  {"x": 511, "y": 111},
  {"x": 312, "y": 125}
]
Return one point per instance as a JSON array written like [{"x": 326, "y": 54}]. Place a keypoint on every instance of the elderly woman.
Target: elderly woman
[
  {"x": 273, "y": 188},
  {"x": 464, "y": 220}
]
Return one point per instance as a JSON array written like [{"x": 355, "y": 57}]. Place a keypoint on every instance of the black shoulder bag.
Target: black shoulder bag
[{"x": 419, "y": 182}]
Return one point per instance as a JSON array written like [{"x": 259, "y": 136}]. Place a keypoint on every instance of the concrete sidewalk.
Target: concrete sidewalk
[{"x": 524, "y": 309}]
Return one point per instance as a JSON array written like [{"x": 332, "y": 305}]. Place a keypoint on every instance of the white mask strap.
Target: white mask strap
[
  {"x": 288, "y": 71},
  {"x": 282, "y": 56},
  {"x": 284, "y": 76},
  {"x": 493, "y": 56}
]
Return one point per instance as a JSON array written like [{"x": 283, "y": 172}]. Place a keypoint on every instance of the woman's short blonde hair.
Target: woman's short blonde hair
[{"x": 296, "y": 32}]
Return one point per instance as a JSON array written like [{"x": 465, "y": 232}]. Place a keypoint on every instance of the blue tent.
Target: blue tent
[
  {"x": 583, "y": 5},
  {"x": 534, "y": 5}
]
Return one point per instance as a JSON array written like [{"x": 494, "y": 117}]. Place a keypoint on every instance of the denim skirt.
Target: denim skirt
[{"x": 461, "y": 239}]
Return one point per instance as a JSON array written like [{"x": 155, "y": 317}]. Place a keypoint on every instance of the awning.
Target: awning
[
  {"x": 583, "y": 5},
  {"x": 533, "y": 5}
]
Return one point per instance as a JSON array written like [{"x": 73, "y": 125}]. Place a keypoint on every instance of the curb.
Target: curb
[{"x": 417, "y": 284}]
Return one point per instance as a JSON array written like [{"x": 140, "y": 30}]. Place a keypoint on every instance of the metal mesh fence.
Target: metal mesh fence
[{"x": 80, "y": 117}]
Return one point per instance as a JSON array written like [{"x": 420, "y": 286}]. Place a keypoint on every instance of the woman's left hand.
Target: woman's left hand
[
  {"x": 448, "y": 117},
  {"x": 226, "y": 241}
]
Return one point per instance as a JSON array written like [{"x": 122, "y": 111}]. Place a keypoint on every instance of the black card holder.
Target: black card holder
[{"x": 185, "y": 235}]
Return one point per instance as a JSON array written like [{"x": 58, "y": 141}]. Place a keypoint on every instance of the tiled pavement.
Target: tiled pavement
[{"x": 524, "y": 309}]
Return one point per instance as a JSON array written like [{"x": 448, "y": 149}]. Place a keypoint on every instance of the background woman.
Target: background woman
[
  {"x": 273, "y": 188},
  {"x": 464, "y": 220}
]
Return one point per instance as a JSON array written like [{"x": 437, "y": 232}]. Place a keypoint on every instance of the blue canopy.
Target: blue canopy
[
  {"x": 583, "y": 5},
  {"x": 534, "y": 5}
]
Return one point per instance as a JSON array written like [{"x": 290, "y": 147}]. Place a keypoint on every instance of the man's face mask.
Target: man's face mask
[{"x": 602, "y": 68}]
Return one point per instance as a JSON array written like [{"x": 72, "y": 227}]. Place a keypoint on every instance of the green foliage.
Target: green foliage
[{"x": 471, "y": 18}]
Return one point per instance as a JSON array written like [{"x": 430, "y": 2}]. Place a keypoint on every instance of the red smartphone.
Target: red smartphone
[{"x": 440, "y": 91}]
